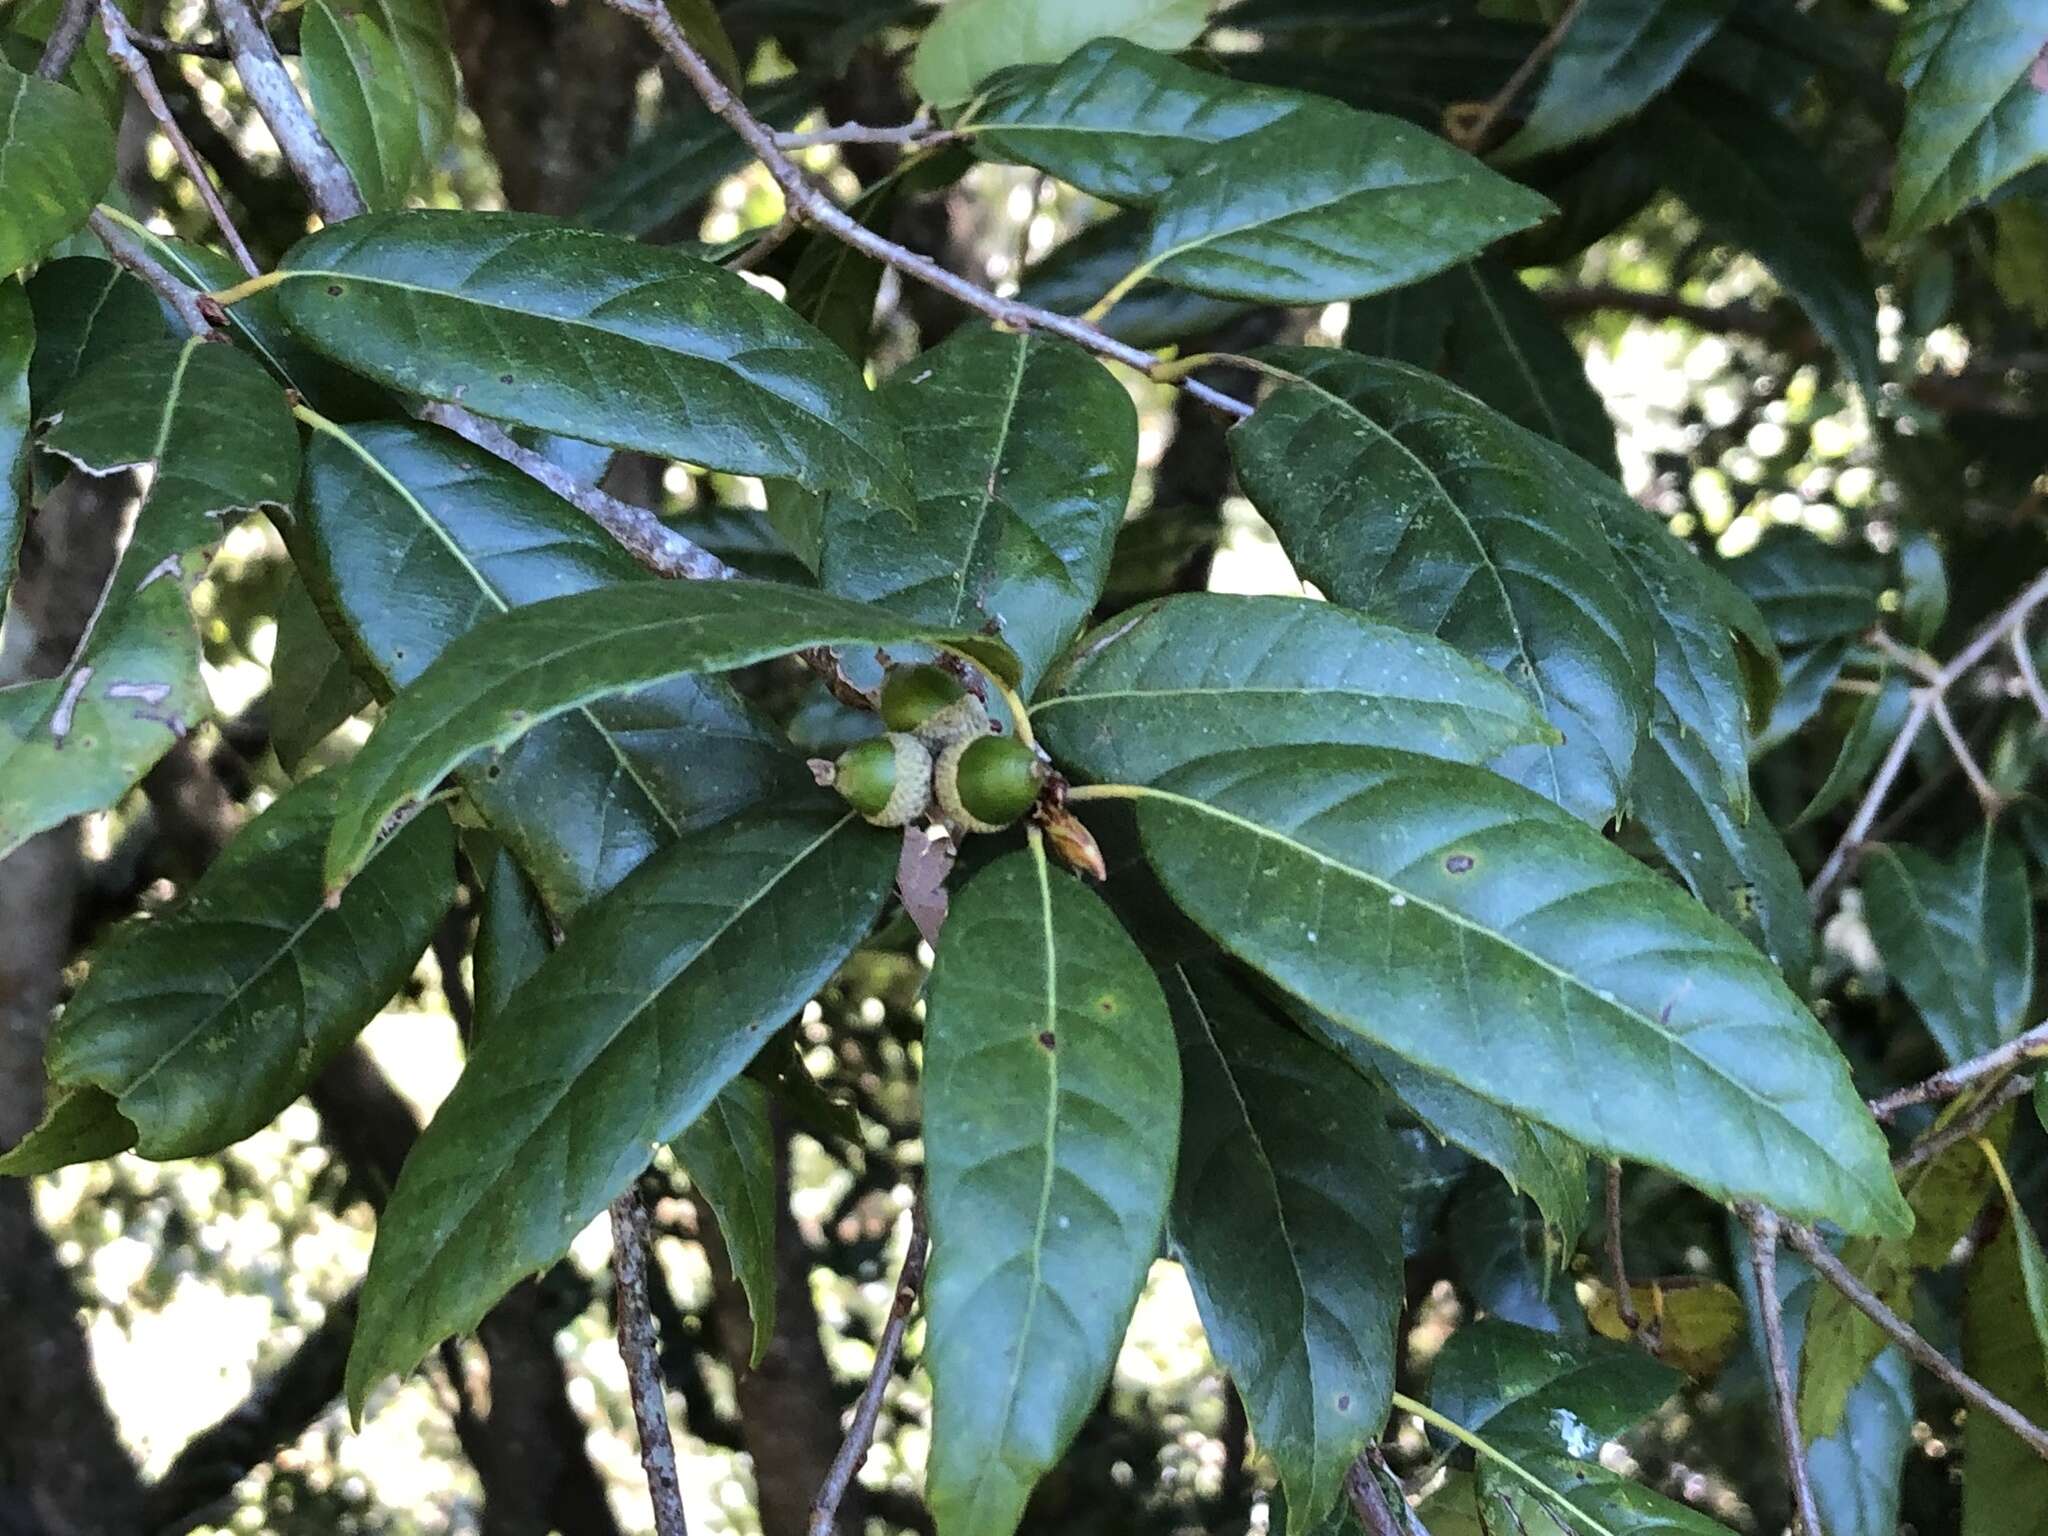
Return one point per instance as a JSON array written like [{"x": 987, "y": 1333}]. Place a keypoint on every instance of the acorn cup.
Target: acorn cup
[
  {"x": 888, "y": 778},
  {"x": 932, "y": 704},
  {"x": 984, "y": 783}
]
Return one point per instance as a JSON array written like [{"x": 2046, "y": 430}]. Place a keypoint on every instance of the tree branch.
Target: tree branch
[
  {"x": 1763, "y": 1261},
  {"x": 66, "y": 37},
  {"x": 2006, "y": 621},
  {"x": 183, "y": 299},
  {"x": 1970, "y": 1123},
  {"x": 1471, "y": 137},
  {"x": 637, "y": 1345},
  {"x": 1718, "y": 319},
  {"x": 1809, "y": 1245},
  {"x": 807, "y": 202},
  {"x": 1949, "y": 1082},
  {"x": 917, "y": 134},
  {"x": 129, "y": 60},
  {"x": 1624, "y": 1303},
  {"x": 277, "y": 100},
  {"x": 860, "y": 1433}
]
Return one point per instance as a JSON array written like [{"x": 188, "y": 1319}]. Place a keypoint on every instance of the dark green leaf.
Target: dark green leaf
[
  {"x": 1025, "y": 450},
  {"x": 1879, "y": 716},
  {"x": 1735, "y": 863},
  {"x": 972, "y": 39},
  {"x": 682, "y": 160},
  {"x": 1514, "y": 1385},
  {"x": 1504, "y": 1256},
  {"x": 2005, "y": 1484},
  {"x": 1958, "y": 937},
  {"x": 654, "y": 1002},
  {"x": 363, "y": 100},
  {"x": 1116, "y": 120},
  {"x": 208, "y": 1019},
  {"x": 85, "y": 310},
  {"x": 1546, "y": 1165},
  {"x": 1585, "y": 1499},
  {"x": 417, "y": 536},
  {"x": 1751, "y": 181},
  {"x": 512, "y": 937},
  {"x": 17, "y": 351},
  {"x": 1185, "y": 676},
  {"x": 1810, "y": 591},
  {"x": 1976, "y": 111},
  {"x": 56, "y": 158},
  {"x": 1082, "y": 269},
  {"x": 1052, "y": 1106},
  {"x": 1403, "y": 497},
  {"x": 312, "y": 687},
  {"x": 729, "y": 1153},
  {"x": 1615, "y": 56},
  {"x": 1923, "y": 586},
  {"x": 418, "y": 30},
  {"x": 514, "y": 671},
  {"x": 593, "y": 337},
  {"x": 77, "y": 742},
  {"x": 211, "y": 426},
  {"x": 1289, "y": 1230},
  {"x": 1477, "y": 930},
  {"x": 1480, "y": 327},
  {"x": 79, "y": 1125},
  {"x": 1322, "y": 206}
]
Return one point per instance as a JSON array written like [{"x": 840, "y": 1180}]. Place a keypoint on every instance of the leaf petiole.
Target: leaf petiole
[{"x": 227, "y": 298}]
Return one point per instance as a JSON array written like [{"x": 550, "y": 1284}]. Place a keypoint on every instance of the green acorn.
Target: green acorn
[
  {"x": 933, "y": 704},
  {"x": 984, "y": 783},
  {"x": 888, "y": 779}
]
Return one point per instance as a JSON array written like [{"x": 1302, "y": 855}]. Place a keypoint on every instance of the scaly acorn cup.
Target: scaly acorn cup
[
  {"x": 888, "y": 779},
  {"x": 986, "y": 782},
  {"x": 933, "y": 704}
]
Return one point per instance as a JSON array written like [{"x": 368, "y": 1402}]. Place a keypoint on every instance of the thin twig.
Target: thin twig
[
  {"x": 2011, "y": 617},
  {"x": 1963, "y": 1127},
  {"x": 66, "y": 37},
  {"x": 2030, "y": 679},
  {"x": 1624, "y": 1303},
  {"x": 1987, "y": 797},
  {"x": 182, "y": 297},
  {"x": 1763, "y": 1260},
  {"x": 638, "y": 530},
  {"x": 860, "y": 1433},
  {"x": 637, "y": 1346},
  {"x": 1719, "y": 319},
  {"x": 1950, "y": 1081},
  {"x": 277, "y": 101},
  {"x": 916, "y": 134},
  {"x": 771, "y": 241},
  {"x": 1809, "y": 1245},
  {"x": 1368, "y": 1500},
  {"x": 129, "y": 60},
  {"x": 151, "y": 42},
  {"x": 814, "y": 207},
  {"x": 1472, "y": 135}
]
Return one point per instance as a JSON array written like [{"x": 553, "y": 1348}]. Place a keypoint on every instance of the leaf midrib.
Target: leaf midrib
[{"x": 1467, "y": 926}]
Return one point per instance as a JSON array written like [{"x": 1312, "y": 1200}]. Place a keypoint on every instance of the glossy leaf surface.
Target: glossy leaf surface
[
  {"x": 1185, "y": 676},
  {"x": 1288, "y": 1228},
  {"x": 514, "y": 671},
  {"x": 417, "y": 536},
  {"x": 85, "y": 310},
  {"x": 418, "y": 30},
  {"x": 56, "y": 158},
  {"x": 1479, "y": 931},
  {"x": 1052, "y": 1109},
  {"x": 1025, "y": 451},
  {"x": 972, "y": 39},
  {"x": 1116, "y": 120},
  {"x": 654, "y": 1002},
  {"x": 593, "y": 337},
  {"x": 1958, "y": 937},
  {"x": 1976, "y": 112},
  {"x": 209, "y": 1019},
  {"x": 1403, "y": 497},
  {"x": 1323, "y": 206},
  {"x": 1516, "y": 1385},
  {"x": 363, "y": 101},
  {"x": 1615, "y": 55}
]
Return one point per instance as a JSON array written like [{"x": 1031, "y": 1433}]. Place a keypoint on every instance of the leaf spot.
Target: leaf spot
[
  {"x": 1107, "y": 1005},
  {"x": 1046, "y": 1039},
  {"x": 334, "y": 290},
  {"x": 504, "y": 378},
  {"x": 1460, "y": 863},
  {"x": 1343, "y": 1402}
]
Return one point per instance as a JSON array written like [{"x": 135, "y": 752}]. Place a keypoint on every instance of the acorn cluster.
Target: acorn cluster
[{"x": 937, "y": 757}]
